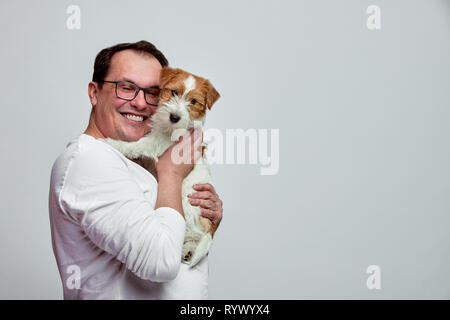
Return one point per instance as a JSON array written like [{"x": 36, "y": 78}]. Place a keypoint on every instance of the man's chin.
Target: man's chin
[
  {"x": 127, "y": 131},
  {"x": 132, "y": 135}
]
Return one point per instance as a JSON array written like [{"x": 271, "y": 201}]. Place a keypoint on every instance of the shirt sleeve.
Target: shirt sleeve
[{"x": 101, "y": 195}]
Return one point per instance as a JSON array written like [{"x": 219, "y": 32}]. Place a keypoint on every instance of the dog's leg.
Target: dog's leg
[
  {"x": 134, "y": 149},
  {"x": 191, "y": 241},
  {"x": 207, "y": 225},
  {"x": 205, "y": 242}
]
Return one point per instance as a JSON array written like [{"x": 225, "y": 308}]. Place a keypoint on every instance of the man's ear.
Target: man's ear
[
  {"x": 92, "y": 92},
  {"x": 211, "y": 96}
]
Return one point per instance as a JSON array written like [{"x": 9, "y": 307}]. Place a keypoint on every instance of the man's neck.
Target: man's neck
[{"x": 92, "y": 129}]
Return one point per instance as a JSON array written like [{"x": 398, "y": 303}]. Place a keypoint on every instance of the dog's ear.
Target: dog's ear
[
  {"x": 211, "y": 96},
  {"x": 166, "y": 74}
]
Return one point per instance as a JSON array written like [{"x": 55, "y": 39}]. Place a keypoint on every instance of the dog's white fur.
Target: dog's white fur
[{"x": 162, "y": 135}]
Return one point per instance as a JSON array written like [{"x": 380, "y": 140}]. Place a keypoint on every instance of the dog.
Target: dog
[{"x": 183, "y": 102}]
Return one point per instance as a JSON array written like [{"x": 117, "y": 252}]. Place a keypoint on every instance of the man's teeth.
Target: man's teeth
[{"x": 134, "y": 118}]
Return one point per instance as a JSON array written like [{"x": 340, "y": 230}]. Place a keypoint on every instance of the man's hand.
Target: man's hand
[
  {"x": 173, "y": 164},
  {"x": 171, "y": 175},
  {"x": 208, "y": 201}
]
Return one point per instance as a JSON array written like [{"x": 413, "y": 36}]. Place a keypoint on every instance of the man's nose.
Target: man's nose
[{"x": 139, "y": 101}]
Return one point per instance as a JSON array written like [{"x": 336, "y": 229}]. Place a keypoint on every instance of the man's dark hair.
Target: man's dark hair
[{"x": 103, "y": 59}]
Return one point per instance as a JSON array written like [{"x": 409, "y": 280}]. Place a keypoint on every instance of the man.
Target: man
[{"x": 117, "y": 232}]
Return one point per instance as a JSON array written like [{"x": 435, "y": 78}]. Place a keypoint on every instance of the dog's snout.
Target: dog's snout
[{"x": 174, "y": 118}]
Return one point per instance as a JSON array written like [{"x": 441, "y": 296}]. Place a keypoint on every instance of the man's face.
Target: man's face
[{"x": 109, "y": 111}]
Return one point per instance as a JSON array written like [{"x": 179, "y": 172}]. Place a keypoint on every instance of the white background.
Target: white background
[{"x": 364, "y": 126}]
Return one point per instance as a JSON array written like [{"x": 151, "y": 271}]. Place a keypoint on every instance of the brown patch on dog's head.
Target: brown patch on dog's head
[
  {"x": 202, "y": 98},
  {"x": 169, "y": 74}
]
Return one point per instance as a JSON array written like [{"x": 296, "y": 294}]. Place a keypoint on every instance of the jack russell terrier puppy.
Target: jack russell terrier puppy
[{"x": 184, "y": 99}]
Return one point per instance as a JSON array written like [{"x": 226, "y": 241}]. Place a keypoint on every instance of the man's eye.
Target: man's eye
[{"x": 126, "y": 88}]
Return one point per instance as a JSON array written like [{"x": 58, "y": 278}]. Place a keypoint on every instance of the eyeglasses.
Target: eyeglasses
[{"x": 128, "y": 91}]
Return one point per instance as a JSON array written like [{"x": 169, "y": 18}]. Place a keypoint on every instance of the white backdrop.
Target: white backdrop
[{"x": 364, "y": 137}]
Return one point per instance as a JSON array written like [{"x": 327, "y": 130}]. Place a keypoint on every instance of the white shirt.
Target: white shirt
[{"x": 109, "y": 241}]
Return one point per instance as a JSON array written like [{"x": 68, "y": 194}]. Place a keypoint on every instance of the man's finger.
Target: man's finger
[
  {"x": 210, "y": 214},
  {"x": 206, "y": 204},
  {"x": 204, "y": 187},
  {"x": 201, "y": 195}
]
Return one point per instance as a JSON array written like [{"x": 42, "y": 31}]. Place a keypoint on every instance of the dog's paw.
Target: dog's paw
[
  {"x": 188, "y": 251},
  {"x": 187, "y": 257}
]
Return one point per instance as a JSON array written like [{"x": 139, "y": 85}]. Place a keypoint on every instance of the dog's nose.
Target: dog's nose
[{"x": 174, "y": 118}]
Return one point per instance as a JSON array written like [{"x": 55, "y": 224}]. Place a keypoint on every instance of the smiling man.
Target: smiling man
[
  {"x": 118, "y": 231},
  {"x": 122, "y": 119}
]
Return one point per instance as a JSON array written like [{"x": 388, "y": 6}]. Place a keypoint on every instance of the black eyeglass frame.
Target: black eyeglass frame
[{"x": 136, "y": 93}]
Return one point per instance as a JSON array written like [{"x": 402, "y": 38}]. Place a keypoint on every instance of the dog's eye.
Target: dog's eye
[
  {"x": 193, "y": 101},
  {"x": 174, "y": 93}
]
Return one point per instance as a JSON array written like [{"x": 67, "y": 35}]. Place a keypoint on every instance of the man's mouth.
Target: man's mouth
[{"x": 133, "y": 117}]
